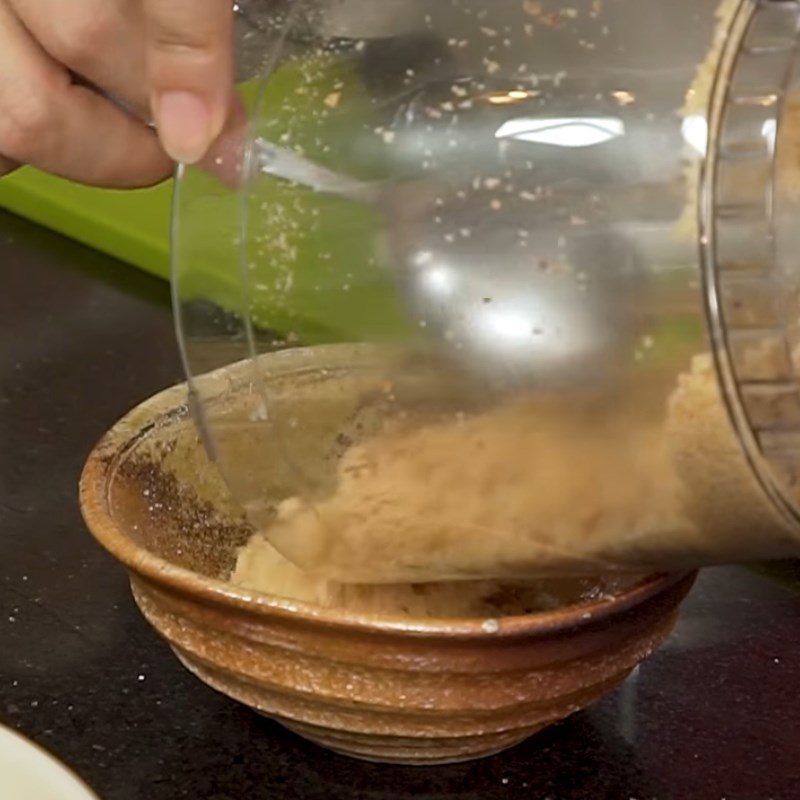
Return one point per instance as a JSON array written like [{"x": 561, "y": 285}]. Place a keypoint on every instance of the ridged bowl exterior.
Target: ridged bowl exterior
[{"x": 384, "y": 689}]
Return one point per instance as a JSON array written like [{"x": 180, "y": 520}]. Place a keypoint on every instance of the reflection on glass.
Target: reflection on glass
[{"x": 563, "y": 132}]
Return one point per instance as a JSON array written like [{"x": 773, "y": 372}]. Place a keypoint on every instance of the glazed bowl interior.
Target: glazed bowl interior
[
  {"x": 172, "y": 511},
  {"x": 169, "y": 499}
]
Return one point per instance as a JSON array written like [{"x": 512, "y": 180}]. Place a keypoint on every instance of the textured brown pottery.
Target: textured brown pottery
[{"x": 387, "y": 689}]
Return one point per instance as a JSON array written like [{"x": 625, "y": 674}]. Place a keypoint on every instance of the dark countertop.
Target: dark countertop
[{"x": 715, "y": 714}]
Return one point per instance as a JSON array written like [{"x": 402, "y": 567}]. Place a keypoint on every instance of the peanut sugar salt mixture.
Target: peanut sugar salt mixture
[{"x": 454, "y": 518}]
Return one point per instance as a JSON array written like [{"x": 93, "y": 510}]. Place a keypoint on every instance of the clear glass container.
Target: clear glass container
[{"x": 502, "y": 288}]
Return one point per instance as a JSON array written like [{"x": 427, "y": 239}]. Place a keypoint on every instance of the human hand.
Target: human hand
[
  {"x": 189, "y": 56},
  {"x": 60, "y": 63}
]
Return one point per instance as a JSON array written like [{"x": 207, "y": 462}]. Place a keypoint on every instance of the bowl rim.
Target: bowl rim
[{"x": 173, "y": 403}]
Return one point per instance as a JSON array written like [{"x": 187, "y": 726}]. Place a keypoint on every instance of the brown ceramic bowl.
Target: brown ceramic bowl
[{"x": 416, "y": 691}]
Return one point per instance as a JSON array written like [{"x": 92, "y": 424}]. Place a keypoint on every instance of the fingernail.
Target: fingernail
[{"x": 184, "y": 125}]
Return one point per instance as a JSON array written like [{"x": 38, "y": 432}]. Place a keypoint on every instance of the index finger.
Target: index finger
[{"x": 189, "y": 52}]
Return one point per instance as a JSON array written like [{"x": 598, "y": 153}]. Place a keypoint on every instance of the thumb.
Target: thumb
[{"x": 189, "y": 52}]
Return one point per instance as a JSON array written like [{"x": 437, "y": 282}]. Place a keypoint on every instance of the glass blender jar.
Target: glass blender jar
[{"x": 503, "y": 288}]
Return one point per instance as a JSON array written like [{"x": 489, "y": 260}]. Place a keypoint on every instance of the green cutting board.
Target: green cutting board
[
  {"x": 336, "y": 293},
  {"x": 132, "y": 226}
]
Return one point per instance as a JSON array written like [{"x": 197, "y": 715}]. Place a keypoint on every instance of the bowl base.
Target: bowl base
[
  {"x": 425, "y": 753},
  {"x": 388, "y": 748}
]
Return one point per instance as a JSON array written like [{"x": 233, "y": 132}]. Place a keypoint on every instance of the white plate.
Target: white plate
[{"x": 28, "y": 772}]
